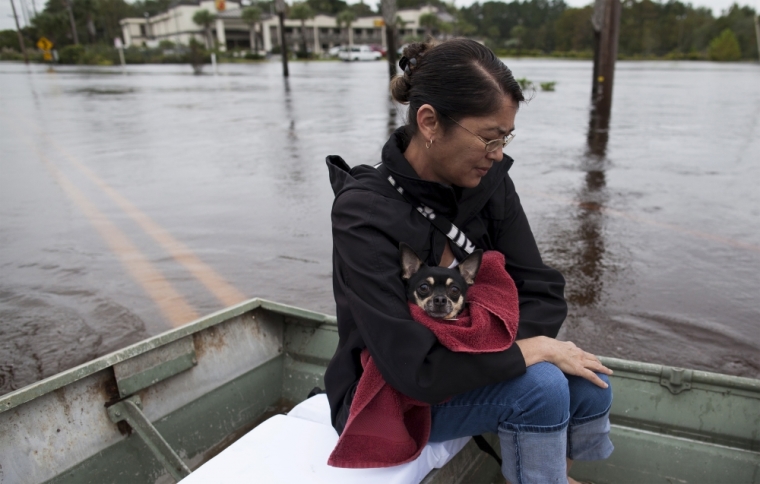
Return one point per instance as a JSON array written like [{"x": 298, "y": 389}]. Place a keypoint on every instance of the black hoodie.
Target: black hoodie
[{"x": 369, "y": 219}]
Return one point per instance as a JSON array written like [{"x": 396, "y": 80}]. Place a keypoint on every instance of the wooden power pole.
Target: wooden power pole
[
  {"x": 20, "y": 37},
  {"x": 74, "y": 33},
  {"x": 280, "y": 7},
  {"x": 757, "y": 33},
  {"x": 606, "y": 22}
]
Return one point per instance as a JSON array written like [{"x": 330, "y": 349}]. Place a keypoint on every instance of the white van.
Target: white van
[{"x": 358, "y": 53}]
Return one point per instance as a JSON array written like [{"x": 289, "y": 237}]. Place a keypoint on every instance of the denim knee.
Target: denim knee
[
  {"x": 587, "y": 400},
  {"x": 545, "y": 402}
]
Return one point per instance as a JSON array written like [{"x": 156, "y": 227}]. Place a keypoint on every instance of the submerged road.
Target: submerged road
[{"x": 132, "y": 204}]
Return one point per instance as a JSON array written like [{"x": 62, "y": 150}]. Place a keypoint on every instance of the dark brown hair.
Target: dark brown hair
[{"x": 458, "y": 77}]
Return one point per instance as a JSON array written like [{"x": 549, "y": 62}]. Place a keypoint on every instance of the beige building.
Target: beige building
[{"x": 230, "y": 32}]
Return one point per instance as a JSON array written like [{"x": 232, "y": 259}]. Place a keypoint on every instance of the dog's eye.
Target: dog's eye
[
  {"x": 454, "y": 291},
  {"x": 424, "y": 290}
]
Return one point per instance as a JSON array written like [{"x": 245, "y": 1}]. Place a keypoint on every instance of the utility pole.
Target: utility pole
[
  {"x": 73, "y": 23},
  {"x": 280, "y": 7},
  {"x": 20, "y": 37},
  {"x": 606, "y": 22},
  {"x": 389, "y": 10}
]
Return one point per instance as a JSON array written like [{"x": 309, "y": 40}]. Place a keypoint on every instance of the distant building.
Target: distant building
[{"x": 230, "y": 32}]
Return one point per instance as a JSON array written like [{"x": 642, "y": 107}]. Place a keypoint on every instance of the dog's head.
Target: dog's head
[{"x": 439, "y": 291}]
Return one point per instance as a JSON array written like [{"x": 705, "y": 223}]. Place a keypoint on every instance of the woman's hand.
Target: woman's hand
[{"x": 565, "y": 356}]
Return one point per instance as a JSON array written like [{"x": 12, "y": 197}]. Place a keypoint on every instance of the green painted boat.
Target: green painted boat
[{"x": 157, "y": 410}]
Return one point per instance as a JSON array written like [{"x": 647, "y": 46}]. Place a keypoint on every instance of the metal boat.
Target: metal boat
[{"x": 156, "y": 410}]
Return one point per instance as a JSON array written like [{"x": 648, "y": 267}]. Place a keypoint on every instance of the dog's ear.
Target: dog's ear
[
  {"x": 470, "y": 266},
  {"x": 410, "y": 263}
]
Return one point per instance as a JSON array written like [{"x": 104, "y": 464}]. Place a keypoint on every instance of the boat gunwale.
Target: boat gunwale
[
  {"x": 698, "y": 376},
  {"x": 67, "y": 377},
  {"x": 72, "y": 375}
]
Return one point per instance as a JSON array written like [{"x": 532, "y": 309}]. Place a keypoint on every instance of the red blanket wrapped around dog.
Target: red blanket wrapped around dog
[{"x": 386, "y": 428}]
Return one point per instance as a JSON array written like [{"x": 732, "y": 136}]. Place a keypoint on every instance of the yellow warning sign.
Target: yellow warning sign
[
  {"x": 44, "y": 44},
  {"x": 379, "y": 23}
]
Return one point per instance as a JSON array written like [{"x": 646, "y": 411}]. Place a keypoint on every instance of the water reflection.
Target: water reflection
[
  {"x": 295, "y": 171},
  {"x": 588, "y": 268}
]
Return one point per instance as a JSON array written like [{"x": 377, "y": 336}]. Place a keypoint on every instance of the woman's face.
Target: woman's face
[{"x": 458, "y": 157}]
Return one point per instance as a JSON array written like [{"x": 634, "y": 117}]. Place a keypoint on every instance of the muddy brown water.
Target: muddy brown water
[{"x": 657, "y": 229}]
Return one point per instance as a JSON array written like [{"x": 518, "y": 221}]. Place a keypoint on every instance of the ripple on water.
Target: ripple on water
[{"x": 49, "y": 330}]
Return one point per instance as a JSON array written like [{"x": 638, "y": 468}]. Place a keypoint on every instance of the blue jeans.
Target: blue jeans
[{"x": 541, "y": 418}]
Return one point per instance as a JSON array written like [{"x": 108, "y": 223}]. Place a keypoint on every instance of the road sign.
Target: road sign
[
  {"x": 220, "y": 5},
  {"x": 46, "y": 55},
  {"x": 117, "y": 43},
  {"x": 379, "y": 23},
  {"x": 44, "y": 44}
]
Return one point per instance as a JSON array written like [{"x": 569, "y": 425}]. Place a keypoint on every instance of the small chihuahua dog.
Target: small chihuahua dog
[{"x": 439, "y": 291}]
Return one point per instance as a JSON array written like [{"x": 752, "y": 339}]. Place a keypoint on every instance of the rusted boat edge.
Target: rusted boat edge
[{"x": 52, "y": 383}]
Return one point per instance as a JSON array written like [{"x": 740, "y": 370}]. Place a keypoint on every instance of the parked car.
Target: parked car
[
  {"x": 378, "y": 48},
  {"x": 334, "y": 51},
  {"x": 358, "y": 53}
]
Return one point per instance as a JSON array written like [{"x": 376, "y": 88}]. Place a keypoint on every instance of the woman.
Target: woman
[{"x": 548, "y": 400}]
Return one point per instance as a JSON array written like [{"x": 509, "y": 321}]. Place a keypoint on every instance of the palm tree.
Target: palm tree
[
  {"x": 303, "y": 12},
  {"x": 204, "y": 18},
  {"x": 346, "y": 17},
  {"x": 252, "y": 16},
  {"x": 430, "y": 21},
  {"x": 389, "y": 10}
]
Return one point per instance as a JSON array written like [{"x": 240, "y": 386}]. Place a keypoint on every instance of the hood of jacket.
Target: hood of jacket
[{"x": 455, "y": 203}]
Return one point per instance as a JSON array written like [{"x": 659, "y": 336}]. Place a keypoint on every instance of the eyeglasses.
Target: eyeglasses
[{"x": 491, "y": 145}]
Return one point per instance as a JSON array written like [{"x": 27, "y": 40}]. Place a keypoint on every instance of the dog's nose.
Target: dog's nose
[{"x": 439, "y": 300}]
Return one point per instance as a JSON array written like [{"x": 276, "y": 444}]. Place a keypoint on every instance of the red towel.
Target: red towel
[{"x": 386, "y": 428}]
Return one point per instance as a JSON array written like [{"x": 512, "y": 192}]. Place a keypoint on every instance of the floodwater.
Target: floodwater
[{"x": 130, "y": 204}]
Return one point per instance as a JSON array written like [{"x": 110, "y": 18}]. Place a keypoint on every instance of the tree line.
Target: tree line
[{"x": 648, "y": 29}]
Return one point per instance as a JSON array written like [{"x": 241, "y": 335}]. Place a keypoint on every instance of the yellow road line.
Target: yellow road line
[
  {"x": 215, "y": 283},
  {"x": 172, "y": 305},
  {"x": 648, "y": 221}
]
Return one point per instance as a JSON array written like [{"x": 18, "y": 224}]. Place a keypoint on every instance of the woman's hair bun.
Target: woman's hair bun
[
  {"x": 400, "y": 89},
  {"x": 416, "y": 50},
  {"x": 410, "y": 59}
]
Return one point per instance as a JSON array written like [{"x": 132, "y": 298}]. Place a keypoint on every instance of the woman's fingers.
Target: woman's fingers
[
  {"x": 593, "y": 378},
  {"x": 574, "y": 361},
  {"x": 596, "y": 365}
]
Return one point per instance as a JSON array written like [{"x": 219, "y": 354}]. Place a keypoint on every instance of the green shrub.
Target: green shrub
[
  {"x": 724, "y": 47},
  {"x": 9, "y": 40},
  {"x": 525, "y": 83},
  {"x": 71, "y": 54},
  {"x": 548, "y": 86},
  {"x": 7, "y": 54}
]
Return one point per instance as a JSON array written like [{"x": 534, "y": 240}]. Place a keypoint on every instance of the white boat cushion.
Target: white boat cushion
[{"x": 295, "y": 447}]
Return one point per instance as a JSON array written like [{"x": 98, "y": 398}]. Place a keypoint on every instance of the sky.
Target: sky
[{"x": 6, "y": 13}]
